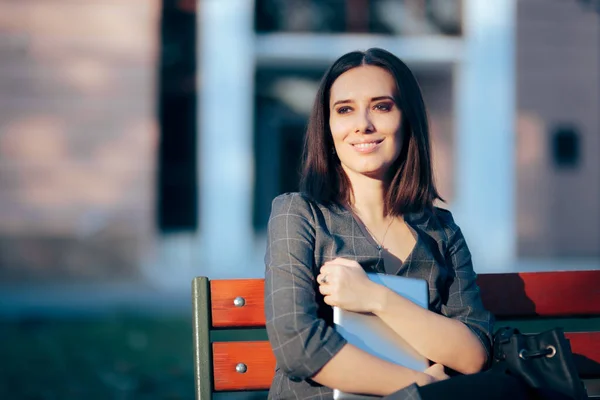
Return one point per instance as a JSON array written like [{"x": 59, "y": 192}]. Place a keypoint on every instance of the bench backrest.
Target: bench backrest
[{"x": 232, "y": 354}]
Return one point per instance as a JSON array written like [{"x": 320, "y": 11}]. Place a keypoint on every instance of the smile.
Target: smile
[{"x": 366, "y": 147}]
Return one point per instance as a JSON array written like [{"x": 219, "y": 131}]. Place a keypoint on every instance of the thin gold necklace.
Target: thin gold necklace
[{"x": 378, "y": 245}]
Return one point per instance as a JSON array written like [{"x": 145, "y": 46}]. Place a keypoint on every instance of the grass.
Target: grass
[{"x": 113, "y": 357}]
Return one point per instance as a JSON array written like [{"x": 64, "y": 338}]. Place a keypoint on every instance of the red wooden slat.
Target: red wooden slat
[
  {"x": 564, "y": 293},
  {"x": 260, "y": 361},
  {"x": 586, "y": 349},
  {"x": 258, "y": 358},
  {"x": 226, "y": 314}
]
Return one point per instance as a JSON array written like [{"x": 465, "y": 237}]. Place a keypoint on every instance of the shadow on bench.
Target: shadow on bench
[{"x": 233, "y": 359}]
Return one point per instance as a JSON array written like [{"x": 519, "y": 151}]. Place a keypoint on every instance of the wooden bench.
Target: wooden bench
[{"x": 233, "y": 359}]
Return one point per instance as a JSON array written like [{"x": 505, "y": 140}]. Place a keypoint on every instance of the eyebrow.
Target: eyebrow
[{"x": 373, "y": 99}]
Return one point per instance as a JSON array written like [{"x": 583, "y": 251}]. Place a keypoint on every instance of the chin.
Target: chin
[
  {"x": 373, "y": 172},
  {"x": 371, "y": 168}
]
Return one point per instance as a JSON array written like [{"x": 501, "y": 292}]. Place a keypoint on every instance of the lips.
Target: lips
[{"x": 366, "y": 146}]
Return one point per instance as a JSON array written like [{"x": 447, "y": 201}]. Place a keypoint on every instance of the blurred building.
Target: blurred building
[
  {"x": 558, "y": 129},
  {"x": 78, "y": 138},
  {"x": 127, "y": 155},
  {"x": 513, "y": 152}
]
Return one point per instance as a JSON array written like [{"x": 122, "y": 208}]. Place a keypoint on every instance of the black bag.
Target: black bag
[{"x": 544, "y": 361}]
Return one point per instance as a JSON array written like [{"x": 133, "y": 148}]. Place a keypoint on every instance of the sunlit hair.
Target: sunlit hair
[{"x": 410, "y": 185}]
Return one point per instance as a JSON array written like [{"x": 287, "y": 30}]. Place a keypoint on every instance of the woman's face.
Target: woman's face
[{"x": 365, "y": 120}]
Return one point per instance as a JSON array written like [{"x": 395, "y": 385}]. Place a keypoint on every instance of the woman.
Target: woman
[{"x": 367, "y": 206}]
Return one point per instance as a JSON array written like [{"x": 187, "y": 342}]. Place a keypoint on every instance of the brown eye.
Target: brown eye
[
  {"x": 343, "y": 110},
  {"x": 383, "y": 107}
]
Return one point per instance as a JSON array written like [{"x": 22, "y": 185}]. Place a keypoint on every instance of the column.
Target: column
[
  {"x": 225, "y": 112},
  {"x": 485, "y": 166}
]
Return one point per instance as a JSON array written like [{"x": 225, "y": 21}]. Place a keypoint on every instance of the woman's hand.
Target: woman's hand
[
  {"x": 345, "y": 284},
  {"x": 434, "y": 373}
]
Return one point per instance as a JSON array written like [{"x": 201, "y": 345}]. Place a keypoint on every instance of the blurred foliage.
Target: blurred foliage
[{"x": 114, "y": 357}]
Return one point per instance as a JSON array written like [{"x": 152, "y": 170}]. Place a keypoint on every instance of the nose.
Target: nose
[{"x": 364, "y": 123}]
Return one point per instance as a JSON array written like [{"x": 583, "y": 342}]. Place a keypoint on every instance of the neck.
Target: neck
[{"x": 368, "y": 199}]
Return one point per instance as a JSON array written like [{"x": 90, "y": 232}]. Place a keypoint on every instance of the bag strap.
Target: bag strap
[{"x": 503, "y": 335}]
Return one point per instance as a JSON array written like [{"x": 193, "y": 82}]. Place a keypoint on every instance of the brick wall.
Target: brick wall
[
  {"x": 558, "y": 81},
  {"x": 77, "y": 137}
]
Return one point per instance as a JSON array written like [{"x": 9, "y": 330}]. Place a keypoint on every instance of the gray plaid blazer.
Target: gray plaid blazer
[{"x": 302, "y": 235}]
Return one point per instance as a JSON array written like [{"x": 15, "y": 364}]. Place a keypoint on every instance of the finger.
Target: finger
[
  {"x": 329, "y": 268},
  {"x": 438, "y": 371},
  {"x": 344, "y": 261},
  {"x": 329, "y": 300},
  {"x": 337, "y": 260},
  {"x": 320, "y": 279},
  {"x": 325, "y": 290},
  {"x": 441, "y": 377},
  {"x": 436, "y": 368}
]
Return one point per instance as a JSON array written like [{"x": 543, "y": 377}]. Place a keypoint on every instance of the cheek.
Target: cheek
[
  {"x": 392, "y": 128},
  {"x": 339, "y": 128},
  {"x": 390, "y": 123}
]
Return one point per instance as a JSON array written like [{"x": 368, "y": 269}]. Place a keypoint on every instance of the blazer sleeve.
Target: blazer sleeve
[
  {"x": 463, "y": 301},
  {"x": 302, "y": 342}
]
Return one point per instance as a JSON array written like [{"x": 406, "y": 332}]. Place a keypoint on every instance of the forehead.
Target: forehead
[{"x": 365, "y": 81}]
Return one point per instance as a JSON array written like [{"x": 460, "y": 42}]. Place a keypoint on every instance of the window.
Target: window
[
  {"x": 283, "y": 100},
  {"x": 177, "y": 196},
  {"x": 393, "y": 17}
]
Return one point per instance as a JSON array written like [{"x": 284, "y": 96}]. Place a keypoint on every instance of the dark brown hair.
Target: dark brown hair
[{"x": 410, "y": 185}]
